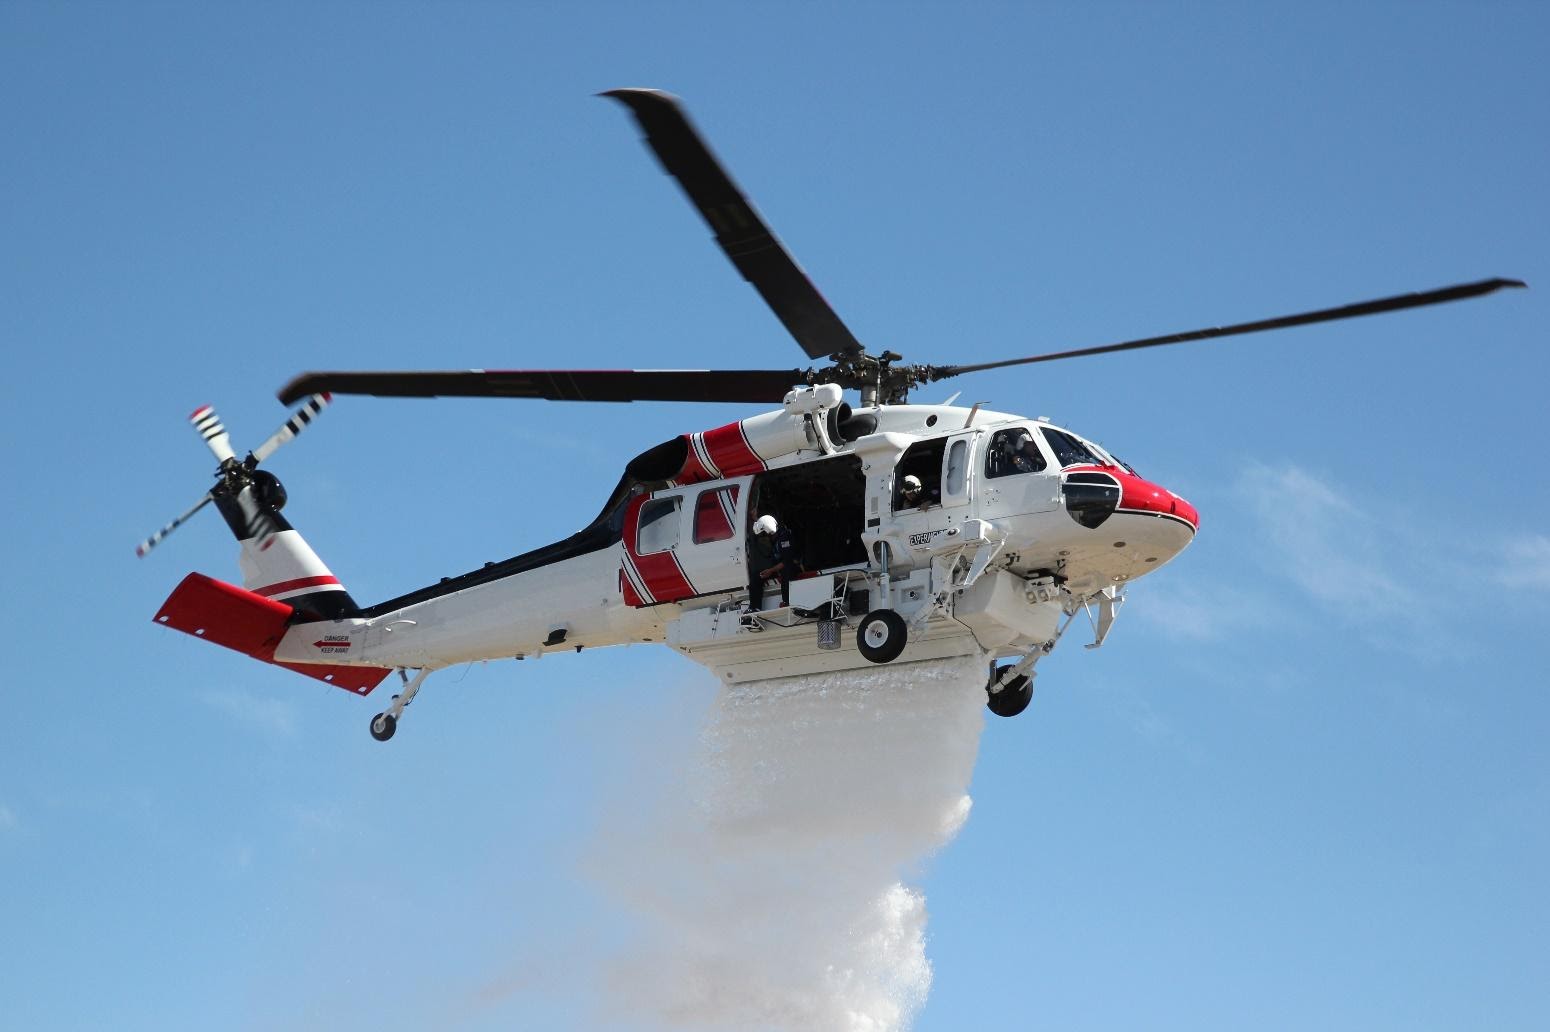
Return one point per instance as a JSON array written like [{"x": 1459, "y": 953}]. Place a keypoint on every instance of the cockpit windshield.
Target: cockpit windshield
[{"x": 1071, "y": 452}]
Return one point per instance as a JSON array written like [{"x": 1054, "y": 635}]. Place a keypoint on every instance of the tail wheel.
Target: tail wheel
[
  {"x": 382, "y": 726},
  {"x": 881, "y": 636},
  {"x": 1013, "y": 696}
]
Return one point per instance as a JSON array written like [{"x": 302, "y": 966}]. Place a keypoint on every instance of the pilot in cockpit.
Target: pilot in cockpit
[{"x": 1026, "y": 457}]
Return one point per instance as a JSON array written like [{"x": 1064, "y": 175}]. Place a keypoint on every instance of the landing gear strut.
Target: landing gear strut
[
  {"x": 1010, "y": 688},
  {"x": 383, "y": 725}
]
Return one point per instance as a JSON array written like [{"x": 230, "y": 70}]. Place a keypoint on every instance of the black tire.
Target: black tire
[
  {"x": 1013, "y": 697},
  {"x": 882, "y": 636},
  {"x": 383, "y": 725}
]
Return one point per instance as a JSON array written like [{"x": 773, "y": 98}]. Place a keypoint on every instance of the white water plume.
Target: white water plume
[{"x": 769, "y": 883}]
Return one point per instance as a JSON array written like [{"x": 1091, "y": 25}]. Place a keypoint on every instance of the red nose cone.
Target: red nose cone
[
  {"x": 1186, "y": 511},
  {"x": 1144, "y": 496}
]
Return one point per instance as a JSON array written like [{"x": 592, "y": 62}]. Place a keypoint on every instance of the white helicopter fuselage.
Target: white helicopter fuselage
[
  {"x": 994, "y": 561},
  {"x": 930, "y": 531}
]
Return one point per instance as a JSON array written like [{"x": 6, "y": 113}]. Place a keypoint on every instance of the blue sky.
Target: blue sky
[{"x": 1302, "y": 786}]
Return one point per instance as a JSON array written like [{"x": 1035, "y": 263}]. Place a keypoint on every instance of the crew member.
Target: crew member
[
  {"x": 772, "y": 552},
  {"x": 1027, "y": 458},
  {"x": 914, "y": 496}
]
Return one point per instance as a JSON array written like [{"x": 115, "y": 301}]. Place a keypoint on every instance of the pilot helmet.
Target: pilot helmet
[
  {"x": 764, "y": 525},
  {"x": 911, "y": 484}
]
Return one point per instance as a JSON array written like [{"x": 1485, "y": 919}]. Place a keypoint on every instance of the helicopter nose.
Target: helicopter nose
[
  {"x": 1094, "y": 494},
  {"x": 1131, "y": 525},
  {"x": 1143, "y": 496}
]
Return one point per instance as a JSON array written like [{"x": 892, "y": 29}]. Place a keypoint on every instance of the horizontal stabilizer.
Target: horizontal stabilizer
[{"x": 252, "y": 625}]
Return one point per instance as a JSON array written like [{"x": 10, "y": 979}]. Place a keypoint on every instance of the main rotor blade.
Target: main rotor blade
[
  {"x": 293, "y": 426},
  {"x": 745, "y": 385},
  {"x": 742, "y": 234},
  {"x": 1386, "y": 304},
  {"x": 155, "y": 539}
]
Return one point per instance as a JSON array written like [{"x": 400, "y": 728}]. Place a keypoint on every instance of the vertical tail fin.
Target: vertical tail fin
[{"x": 276, "y": 561}]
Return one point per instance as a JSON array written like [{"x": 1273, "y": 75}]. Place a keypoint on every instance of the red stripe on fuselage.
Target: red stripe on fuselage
[
  {"x": 292, "y": 585},
  {"x": 627, "y": 590},
  {"x": 695, "y": 470},
  {"x": 718, "y": 454},
  {"x": 730, "y": 451},
  {"x": 659, "y": 571}
]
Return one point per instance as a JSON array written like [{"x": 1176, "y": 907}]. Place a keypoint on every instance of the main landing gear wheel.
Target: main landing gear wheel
[
  {"x": 1013, "y": 697},
  {"x": 382, "y": 726},
  {"x": 882, "y": 636}
]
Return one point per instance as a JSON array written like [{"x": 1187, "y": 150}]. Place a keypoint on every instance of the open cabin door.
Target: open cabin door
[
  {"x": 944, "y": 467},
  {"x": 685, "y": 542}
]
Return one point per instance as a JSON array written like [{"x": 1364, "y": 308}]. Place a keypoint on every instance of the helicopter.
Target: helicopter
[{"x": 906, "y": 532}]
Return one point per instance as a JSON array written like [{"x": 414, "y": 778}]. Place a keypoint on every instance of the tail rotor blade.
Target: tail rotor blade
[
  {"x": 293, "y": 426},
  {"x": 155, "y": 539},
  {"x": 213, "y": 431}
]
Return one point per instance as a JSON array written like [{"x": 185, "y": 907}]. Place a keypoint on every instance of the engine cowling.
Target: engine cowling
[{"x": 749, "y": 445}]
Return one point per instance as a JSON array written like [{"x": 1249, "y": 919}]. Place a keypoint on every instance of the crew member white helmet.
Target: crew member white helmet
[
  {"x": 912, "y": 483},
  {"x": 764, "y": 525}
]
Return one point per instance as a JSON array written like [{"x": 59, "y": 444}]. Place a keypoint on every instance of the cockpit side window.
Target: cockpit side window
[
  {"x": 1014, "y": 451},
  {"x": 1069, "y": 451}
]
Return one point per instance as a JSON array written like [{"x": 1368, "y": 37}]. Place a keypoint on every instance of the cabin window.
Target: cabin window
[
  {"x": 658, "y": 527},
  {"x": 1069, "y": 451},
  {"x": 957, "y": 467},
  {"x": 715, "y": 514},
  {"x": 1014, "y": 451},
  {"x": 922, "y": 461}
]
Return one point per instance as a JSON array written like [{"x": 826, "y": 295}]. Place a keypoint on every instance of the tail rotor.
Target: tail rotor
[{"x": 234, "y": 476}]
